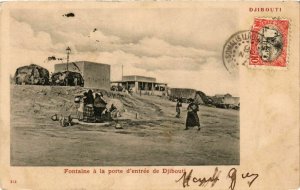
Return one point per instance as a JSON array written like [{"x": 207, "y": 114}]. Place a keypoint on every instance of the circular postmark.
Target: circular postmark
[
  {"x": 236, "y": 51},
  {"x": 270, "y": 43}
]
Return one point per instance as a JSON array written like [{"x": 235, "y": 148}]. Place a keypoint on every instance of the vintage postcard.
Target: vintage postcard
[{"x": 149, "y": 95}]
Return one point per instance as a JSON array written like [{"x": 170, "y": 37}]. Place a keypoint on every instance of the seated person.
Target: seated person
[{"x": 99, "y": 105}]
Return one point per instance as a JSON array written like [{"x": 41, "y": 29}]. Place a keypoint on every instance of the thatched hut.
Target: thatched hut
[
  {"x": 201, "y": 98},
  {"x": 67, "y": 78},
  {"x": 183, "y": 93},
  {"x": 32, "y": 75},
  {"x": 226, "y": 101}
]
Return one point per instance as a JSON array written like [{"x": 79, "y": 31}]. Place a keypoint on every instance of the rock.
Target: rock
[{"x": 118, "y": 126}]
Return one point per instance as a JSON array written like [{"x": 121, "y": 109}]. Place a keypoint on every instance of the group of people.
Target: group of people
[
  {"x": 91, "y": 108},
  {"x": 192, "y": 118}
]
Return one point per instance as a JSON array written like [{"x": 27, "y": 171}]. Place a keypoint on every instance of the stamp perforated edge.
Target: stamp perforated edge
[{"x": 273, "y": 68}]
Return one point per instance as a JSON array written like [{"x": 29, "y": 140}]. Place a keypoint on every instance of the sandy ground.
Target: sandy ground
[{"x": 155, "y": 138}]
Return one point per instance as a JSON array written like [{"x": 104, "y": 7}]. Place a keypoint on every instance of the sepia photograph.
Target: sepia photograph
[
  {"x": 148, "y": 94},
  {"x": 123, "y": 87}
]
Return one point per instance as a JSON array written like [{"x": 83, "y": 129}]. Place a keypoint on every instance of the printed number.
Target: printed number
[{"x": 13, "y": 181}]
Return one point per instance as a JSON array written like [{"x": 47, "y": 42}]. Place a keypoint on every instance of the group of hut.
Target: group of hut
[
  {"x": 37, "y": 75},
  {"x": 226, "y": 101}
]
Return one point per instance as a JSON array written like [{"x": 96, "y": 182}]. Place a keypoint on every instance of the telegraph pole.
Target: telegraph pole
[
  {"x": 68, "y": 50},
  {"x": 122, "y": 71}
]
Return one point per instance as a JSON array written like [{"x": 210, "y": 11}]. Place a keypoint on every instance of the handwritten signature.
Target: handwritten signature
[{"x": 232, "y": 175}]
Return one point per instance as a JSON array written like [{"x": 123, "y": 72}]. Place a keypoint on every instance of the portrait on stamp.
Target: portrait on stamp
[{"x": 269, "y": 42}]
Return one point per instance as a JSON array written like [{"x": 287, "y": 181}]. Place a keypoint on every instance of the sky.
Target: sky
[{"x": 178, "y": 46}]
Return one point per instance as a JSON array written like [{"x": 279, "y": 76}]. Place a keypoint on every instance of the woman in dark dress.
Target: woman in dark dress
[
  {"x": 192, "y": 118},
  {"x": 89, "y": 115},
  {"x": 178, "y": 106},
  {"x": 90, "y": 97}
]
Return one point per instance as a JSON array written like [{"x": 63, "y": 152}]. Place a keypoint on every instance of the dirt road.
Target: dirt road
[{"x": 156, "y": 137}]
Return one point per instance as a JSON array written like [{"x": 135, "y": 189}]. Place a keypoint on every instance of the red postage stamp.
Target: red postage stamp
[{"x": 269, "y": 41}]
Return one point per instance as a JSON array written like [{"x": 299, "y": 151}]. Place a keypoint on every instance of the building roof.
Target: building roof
[
  {"x": 120, "y": 81},
  {"x": 183, "y": 89},
  {"x": 84, "y": 62},
  {"x": 138, "y": 78}
]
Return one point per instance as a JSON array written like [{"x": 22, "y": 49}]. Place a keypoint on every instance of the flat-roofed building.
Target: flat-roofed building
[
  {"x": 142, "y": 84},
  {"x": 95, "y": 75}
]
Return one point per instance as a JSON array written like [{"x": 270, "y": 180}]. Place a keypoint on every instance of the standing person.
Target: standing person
[
  {"x": 89, "y": 115},
  {"x": 97, "y": 107},
  {"x": 84, "y": 101},
  {"x": 178, "y": 106},
  {"x": 90, "y": 97},
  {"x": 79, "y": 107},
  {"x": 192, "y": 118}
]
